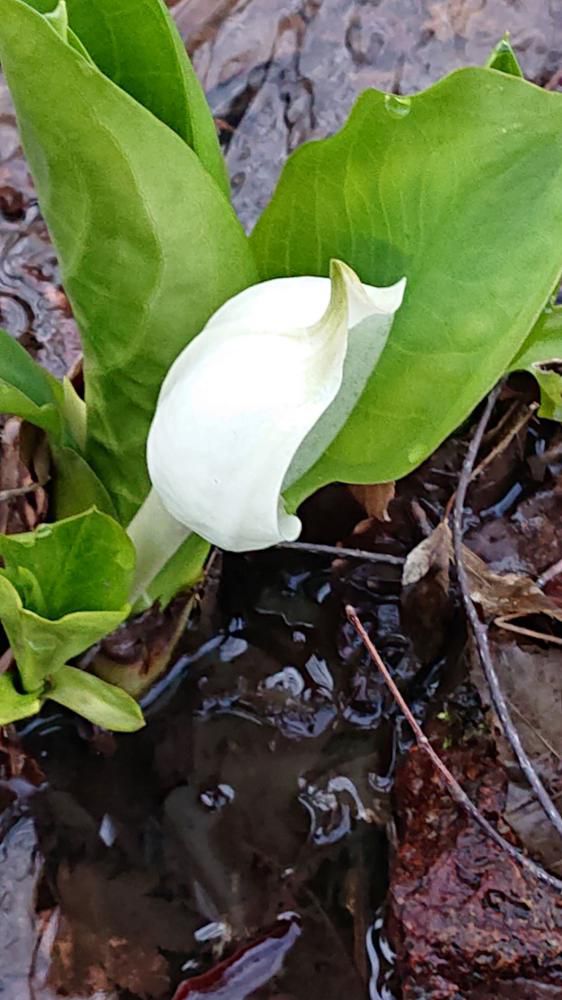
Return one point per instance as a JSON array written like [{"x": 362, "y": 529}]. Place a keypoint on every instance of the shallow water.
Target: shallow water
[{"x": 261, "y": 785}]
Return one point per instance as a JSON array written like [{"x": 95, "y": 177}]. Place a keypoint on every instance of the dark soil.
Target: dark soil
[{"x": 243, "y": 844}]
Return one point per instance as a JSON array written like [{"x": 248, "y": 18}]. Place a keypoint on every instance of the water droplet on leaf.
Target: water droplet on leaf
[
  {"x": 416, "y": 453},
  {"x": 397, "y": 106}
]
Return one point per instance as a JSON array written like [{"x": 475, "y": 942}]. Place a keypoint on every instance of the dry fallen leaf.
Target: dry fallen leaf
[
  {"x": 503, "y": 597},
  {"x": 531, "y": 680},
  {"x": 508, "y": 596},
  {"x": 427, "y": 605},
  {"x": 433, "y": 555},
  {"x": 375, "y": 499}
]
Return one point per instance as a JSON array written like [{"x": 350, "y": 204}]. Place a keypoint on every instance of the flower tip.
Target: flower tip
[{"x": 364, "y": 300}]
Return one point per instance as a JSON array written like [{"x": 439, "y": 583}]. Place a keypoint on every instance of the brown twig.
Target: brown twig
[
  {"x": 531, "y": 633},
  {"x": 456, "y": 791},
  {"x": 499, "y": 448},
  {"x": 335, "y": 551},
  {"x": 480, "y": 631},
  {"x": 493, "y": 432},
  {"x": 18, "y": 491}
]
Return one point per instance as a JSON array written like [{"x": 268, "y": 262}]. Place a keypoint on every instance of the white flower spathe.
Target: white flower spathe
[{"x": 256, "y": 398}]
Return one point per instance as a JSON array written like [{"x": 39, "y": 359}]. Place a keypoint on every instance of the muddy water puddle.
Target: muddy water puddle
[
  {"x": 239, "y": 846},
  {"x": 245, "y": 825}
]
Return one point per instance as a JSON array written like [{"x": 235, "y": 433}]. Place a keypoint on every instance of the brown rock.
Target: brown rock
[{"x": 466, "y": 921}]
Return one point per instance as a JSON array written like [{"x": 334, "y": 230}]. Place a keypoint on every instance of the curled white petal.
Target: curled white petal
[{"x": 240, "y": 400}]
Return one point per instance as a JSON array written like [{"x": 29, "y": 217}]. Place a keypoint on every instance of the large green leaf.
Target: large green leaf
[
  {"x": 41, "y": 646},
  {"x": 541, "y": 355},
  {"x": 137, "y": 45},
  {"x": 102, "y": 703},
  {"x": 149, "y": 245},
  {"x": 26, "y": 390},
  {"x": 84, "y": 563},
  {"x": 76, "y": 488},
  {"x": 13, "y": 705},
  {"x": 64, "y": 587},
  {"x": 436, "y": 187}
]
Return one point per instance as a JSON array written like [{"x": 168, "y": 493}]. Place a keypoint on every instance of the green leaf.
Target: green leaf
[
  {"x": 103, "y": 704},
  {"x": 149, "y": 246},
  {"x": 13, "y": 705},
  {"x": 84, "y": 563},
  {"x": 541, "y": 355},
  {"x": 435, "y": 187},
  {"x": 76, "y": 487},
  {"x": 184, "y": 570},
  {"x": 26, "y": 390},
  {"x": 64, "y": 587},
  {"x": 503, "y": 58},
  {"x": 41, "y": 646},
  {"x": 137, "y": 45}
]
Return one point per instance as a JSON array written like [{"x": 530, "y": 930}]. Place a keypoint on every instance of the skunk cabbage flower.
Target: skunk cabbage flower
[{"x": 256, "y": 398}]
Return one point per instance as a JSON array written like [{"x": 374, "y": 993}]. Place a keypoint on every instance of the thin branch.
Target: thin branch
[
  {"x": 453, "y": 787},
  {"x": 494, "y": 432},
  {"x": 506, "y": 440},
  {"x": 18, "y": 491},
  {"x": 480, "y": 631},
  {"x": 335, "y": 551},
  {"x": 531, "y": 633},
  {"x": 549, "y": 456},
  {"x": 499, "y": 448}
]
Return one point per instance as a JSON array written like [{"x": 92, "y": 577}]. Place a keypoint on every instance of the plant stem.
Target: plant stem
[{"x": 156, "y": 536}]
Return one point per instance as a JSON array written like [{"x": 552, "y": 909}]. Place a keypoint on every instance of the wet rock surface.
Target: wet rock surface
[
  {"x": 466, "y": 921},
  {"x": 33, "y": 306},
  {"x": 285, "y": 72}
]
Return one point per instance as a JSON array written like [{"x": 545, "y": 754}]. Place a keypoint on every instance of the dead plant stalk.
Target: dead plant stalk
[{"x": 479, "y": 629}]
